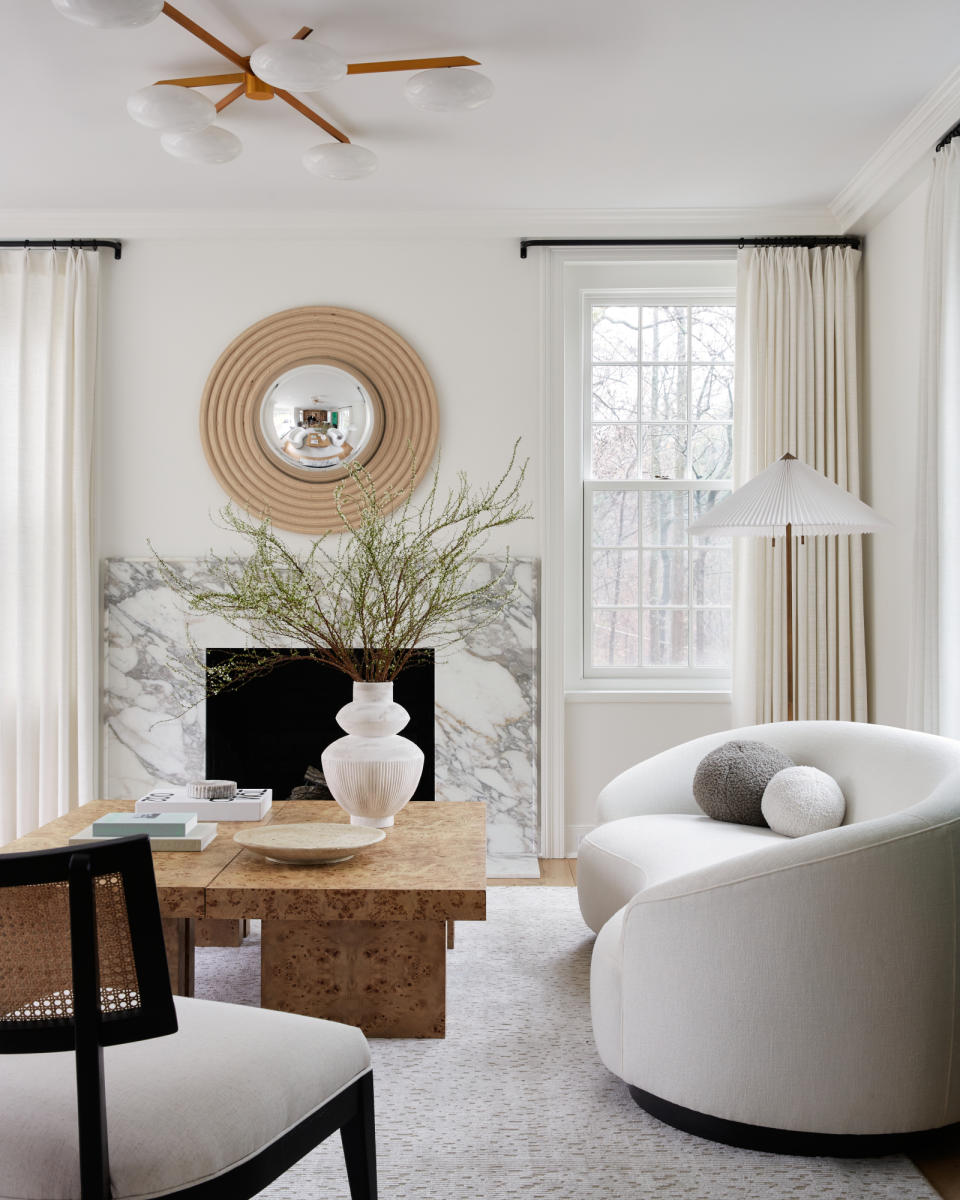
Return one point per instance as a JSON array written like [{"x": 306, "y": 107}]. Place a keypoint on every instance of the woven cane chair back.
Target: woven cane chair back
[{"x": 37, "y": 954}]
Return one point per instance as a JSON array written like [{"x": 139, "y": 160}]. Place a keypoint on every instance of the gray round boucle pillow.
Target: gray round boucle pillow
[
  {"x": 730, "y": 781},
  {"x": 802, "y": 800}
]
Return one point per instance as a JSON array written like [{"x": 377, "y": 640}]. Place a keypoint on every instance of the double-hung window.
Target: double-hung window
[{"x": 656, "y": 451}]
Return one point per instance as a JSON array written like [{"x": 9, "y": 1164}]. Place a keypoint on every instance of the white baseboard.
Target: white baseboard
[{"x": 573, "y": 835}]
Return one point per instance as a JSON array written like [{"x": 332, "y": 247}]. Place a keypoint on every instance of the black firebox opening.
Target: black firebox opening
[{"x": 269, "y": 732}]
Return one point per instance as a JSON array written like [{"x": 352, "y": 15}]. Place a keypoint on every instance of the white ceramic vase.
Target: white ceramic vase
[{"x": 372, "y": 773}]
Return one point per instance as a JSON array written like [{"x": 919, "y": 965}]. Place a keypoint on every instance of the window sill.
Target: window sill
[{"x": 647, "y": 696}]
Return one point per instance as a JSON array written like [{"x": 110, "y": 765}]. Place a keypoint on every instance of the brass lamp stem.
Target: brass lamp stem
[
  {"x": 255, "y": 89},
  {"x": 789, "y": 545}
]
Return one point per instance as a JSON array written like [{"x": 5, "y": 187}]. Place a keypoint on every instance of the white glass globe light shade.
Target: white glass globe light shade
[
  {"x": 110, "y": 14},
  {"x": 171, "y": 109},
  {"x": 340, "y": 160},
  {"x": 448, "y": 89},
  {"x": 210, "y": 146},
  {"x": 297, "y": 66}
]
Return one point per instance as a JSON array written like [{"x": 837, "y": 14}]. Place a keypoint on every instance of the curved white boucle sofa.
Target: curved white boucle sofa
[{"x": 796, "y": 994}]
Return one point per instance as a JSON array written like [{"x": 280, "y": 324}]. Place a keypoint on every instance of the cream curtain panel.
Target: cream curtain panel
[
  {"x": 934, "y": 688},
  {"x": 796, "y": 390},
  {"x": 48, "y": 709}
]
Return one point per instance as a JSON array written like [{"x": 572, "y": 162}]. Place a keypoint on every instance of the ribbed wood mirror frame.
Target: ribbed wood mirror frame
[{"x": 389, "y": 368}]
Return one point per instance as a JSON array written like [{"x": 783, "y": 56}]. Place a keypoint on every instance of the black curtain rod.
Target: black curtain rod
[
  {"x": 948, "y": 137},
  {"x": 808, "y": 241},
  {"x": 66, "y": 244}
]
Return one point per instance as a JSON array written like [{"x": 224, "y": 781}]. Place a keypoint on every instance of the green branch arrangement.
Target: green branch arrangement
[{"x": 395, "y": 579}]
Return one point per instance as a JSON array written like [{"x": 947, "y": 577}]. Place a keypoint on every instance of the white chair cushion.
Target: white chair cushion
[
  {"x": 623, "y": 857},
  {"x": 180, "y": 1109}
]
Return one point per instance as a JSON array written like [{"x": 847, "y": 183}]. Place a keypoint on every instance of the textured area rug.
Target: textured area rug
[{"x": 514, "y": 1103}]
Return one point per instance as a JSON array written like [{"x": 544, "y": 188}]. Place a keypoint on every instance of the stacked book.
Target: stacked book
[
  {"x": 237, "y": 804},
  {"x": 166, "y": 830}
]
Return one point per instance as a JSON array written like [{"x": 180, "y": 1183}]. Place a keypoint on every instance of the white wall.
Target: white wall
[
  {"x": 604, "y": 736},
  {"x": 471, "y": 308},
  {"x": 468, "y": 307},
  {"x": 892, "y": 269}
]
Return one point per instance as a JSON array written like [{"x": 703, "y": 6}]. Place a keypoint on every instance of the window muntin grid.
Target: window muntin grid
[{"x": 658, "y": 451}]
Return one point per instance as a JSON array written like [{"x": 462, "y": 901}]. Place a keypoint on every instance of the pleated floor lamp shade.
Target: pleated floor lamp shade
[
  {"x": 789, "y": 493},
  {"x": 788, "y": 500}
]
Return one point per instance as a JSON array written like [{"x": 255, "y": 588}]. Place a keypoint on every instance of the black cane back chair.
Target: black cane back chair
[{"x": 229, "y": 1101}]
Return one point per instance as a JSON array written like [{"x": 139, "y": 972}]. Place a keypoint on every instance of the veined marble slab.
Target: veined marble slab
[
  {"x": 486, "y": 698},
  {"x": 513, "y": 866}
]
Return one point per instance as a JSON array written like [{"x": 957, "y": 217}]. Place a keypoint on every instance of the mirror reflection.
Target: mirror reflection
[{"x": 317, "y": 417}]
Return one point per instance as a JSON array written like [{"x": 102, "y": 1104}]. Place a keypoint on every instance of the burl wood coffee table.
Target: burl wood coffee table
[
  {"x": 182, "y": 879},
  {"x": 363, "y": 941}
]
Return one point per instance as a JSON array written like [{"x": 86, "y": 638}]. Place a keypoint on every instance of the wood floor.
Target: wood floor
[{"x": 940, "y": 1161}]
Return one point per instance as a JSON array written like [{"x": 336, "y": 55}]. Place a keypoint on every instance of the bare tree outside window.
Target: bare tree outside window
[{"x": 660, "y": 455}]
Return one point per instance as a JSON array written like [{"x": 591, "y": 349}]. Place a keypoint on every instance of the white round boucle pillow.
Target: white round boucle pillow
[{"x": 801, "y": 800}]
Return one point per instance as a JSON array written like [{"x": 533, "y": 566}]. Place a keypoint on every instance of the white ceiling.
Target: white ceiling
[{"x": 615, "y": 104}]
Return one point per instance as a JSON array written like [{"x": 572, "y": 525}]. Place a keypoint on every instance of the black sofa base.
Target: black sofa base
[{"x": 784, "y": 1141}]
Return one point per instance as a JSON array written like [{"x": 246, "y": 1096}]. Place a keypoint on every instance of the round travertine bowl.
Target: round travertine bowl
[
  {"x": 372, "y": 772},
  {"x": 309, "y": 842}
]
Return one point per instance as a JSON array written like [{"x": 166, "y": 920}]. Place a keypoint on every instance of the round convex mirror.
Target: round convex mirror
[
  {"x": 317, "y": 418},
  {"x": 302, "y": 396}
]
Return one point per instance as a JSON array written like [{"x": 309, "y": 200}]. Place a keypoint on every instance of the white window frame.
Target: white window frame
[
  {"x": 655, "y": 279},
  {"x": 665, "y": 677},
  {"x": 563, "y": 270}
]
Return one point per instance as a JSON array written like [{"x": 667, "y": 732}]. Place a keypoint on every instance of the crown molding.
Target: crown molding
[
  {"x": 481, "y": 223},
  {"x": 876, "y": 187}
]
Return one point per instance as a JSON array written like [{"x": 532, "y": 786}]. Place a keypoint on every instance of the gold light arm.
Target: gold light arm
[
  {"x": 410, "y": 64},
  {"x": 203, "y": 80},
  {"x": 311, "y": 115},
  {"x": 207, "y": 38},
  {"x": 230, "y": 97}
]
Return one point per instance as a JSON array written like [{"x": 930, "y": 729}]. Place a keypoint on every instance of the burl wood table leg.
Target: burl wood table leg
[
  {"x": 178, "y": 935},
  {"x": 221, "y": 931},
  {"x": 388, "y": 977}
]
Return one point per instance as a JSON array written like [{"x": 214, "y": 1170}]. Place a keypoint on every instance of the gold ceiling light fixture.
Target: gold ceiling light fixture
[{"x": 185, "y": 117}]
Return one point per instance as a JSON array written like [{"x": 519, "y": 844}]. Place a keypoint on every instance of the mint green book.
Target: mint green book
[{"x": 126, "y": 824}]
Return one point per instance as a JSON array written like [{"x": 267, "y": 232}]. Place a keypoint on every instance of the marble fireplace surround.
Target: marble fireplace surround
[{"x": 486, "y": 702}]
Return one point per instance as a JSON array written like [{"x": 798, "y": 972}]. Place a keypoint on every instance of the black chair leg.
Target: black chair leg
[{"x": 359, "y": 1145}]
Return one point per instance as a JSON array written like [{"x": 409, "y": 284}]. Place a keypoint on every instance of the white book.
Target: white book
[
  {"x": 199, "y": 838},
  {"x": 249, "y": 804}
]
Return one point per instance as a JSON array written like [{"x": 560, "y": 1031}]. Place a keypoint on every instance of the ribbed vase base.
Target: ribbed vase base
[{"x": 376, "y": 822}]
